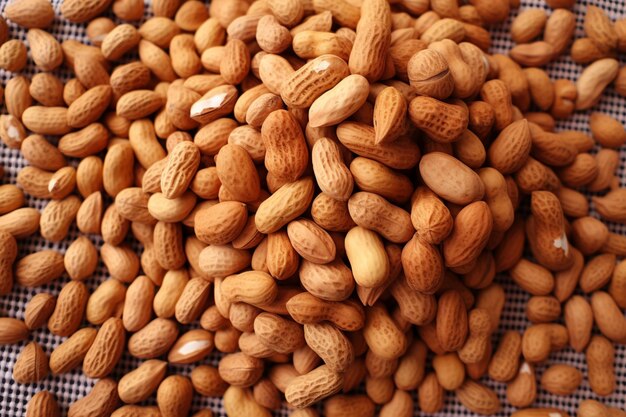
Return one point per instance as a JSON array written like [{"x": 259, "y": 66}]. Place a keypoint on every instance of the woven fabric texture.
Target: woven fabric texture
[{"x": 74, "y": 385}]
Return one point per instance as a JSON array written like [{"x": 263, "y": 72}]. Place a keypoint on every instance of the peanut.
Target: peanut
[{"x": 288, "y": 154}]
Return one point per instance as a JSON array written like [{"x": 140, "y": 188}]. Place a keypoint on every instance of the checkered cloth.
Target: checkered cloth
[{"x": 70, "y": 387}]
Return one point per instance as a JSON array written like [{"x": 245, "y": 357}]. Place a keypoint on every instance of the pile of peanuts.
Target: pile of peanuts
[{"x": 324, "y": 191}]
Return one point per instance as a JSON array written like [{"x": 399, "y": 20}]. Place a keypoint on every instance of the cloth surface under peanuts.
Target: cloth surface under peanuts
[{"x": 70, "y": 387}]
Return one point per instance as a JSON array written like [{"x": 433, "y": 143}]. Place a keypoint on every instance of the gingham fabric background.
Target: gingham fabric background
[{"x": 70, "y": 387}]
